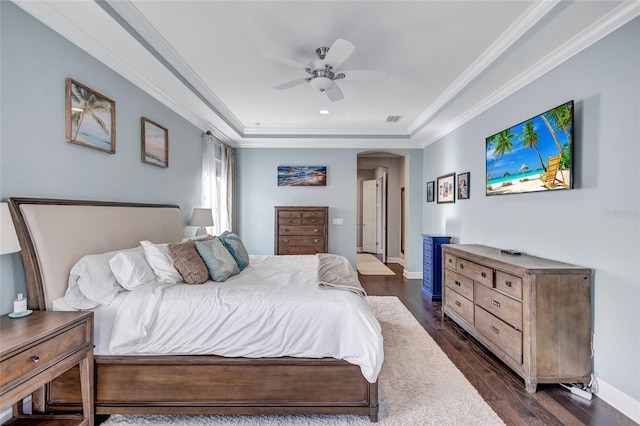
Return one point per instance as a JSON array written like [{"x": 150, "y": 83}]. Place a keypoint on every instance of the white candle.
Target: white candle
[{"x": 20, "y": 304}]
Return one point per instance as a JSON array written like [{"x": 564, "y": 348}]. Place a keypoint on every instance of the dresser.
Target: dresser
[
  {"x": 301, "y": 230},
  {"x": 38, "y": 348},
  {"x": 532, "y": 313},
  {"x": 432, "y": 265}
]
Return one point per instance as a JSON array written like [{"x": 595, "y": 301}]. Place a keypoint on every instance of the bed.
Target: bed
[{"x": 54, "y": 234}]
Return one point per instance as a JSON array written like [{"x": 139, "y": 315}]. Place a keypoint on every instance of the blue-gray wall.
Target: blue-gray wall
[
  {"x": 35, "y": 159},
  {"x": 258, "y": 193},
  {"x": 597, "y": 224}
]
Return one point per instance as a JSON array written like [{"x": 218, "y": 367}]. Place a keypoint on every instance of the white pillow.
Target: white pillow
[
  {"x": 131, "y": 269},
  {"x": 91, "y": 282},
  {"x": 158, "y": 258}
]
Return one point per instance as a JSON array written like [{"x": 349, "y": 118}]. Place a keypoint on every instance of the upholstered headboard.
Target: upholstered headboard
[{"x": 55, "y": 234}]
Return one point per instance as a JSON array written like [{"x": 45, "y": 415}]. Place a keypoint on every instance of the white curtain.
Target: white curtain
[{"x": 218, "y": 168}]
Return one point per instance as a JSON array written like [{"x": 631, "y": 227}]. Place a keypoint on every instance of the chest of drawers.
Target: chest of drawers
[
  {"x": 36, "y": 349},
  {"x": 532, "y": 313},
  {"x": 432, "y": 265},
  {"x": 301, "y": 230}
]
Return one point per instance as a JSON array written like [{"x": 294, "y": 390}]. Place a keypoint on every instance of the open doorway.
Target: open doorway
[{"x": 380, "y": 183}]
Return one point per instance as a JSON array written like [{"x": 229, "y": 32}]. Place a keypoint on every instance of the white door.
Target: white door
[
  {"x": 381, "y": 218},
  {"x": 369, "y": 228}
]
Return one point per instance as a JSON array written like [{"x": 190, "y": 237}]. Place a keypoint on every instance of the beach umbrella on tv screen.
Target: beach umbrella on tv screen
[{"x": 523, "y": 169}]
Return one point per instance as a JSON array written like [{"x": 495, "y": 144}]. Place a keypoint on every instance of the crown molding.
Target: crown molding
[
  {"x": 610, "y": 22},
  {"x": 527, "y": 20},
  {"x": 147, "y": 35}
]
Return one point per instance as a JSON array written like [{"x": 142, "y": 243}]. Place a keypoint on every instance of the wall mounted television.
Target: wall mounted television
[{"x": 535, "y": 155}]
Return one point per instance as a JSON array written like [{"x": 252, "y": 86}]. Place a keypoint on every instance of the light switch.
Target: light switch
[{"x": 337, "y": 221}]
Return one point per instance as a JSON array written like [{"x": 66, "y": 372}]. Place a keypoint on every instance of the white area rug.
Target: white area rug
[
  {"x": 418, "y": 385},
  {"x": 368, "y": 264}
]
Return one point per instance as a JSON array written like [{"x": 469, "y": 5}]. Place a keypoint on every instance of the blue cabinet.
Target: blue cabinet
[{"x": 432, "y": 265}]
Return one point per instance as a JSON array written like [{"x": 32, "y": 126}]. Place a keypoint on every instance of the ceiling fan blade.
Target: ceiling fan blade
[
  {"x": 334, "y": 93},
  {"x": 339, "y": 52},
  {"x": 283, "y": 60},
  {"x": 291, "y": 83},
  {"x": 365, "y": 76}
]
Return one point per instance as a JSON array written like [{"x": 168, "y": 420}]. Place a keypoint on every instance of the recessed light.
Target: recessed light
[{"x": 324, "y": 111}]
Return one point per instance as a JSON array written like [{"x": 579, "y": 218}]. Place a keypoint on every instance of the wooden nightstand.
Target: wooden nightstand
[{"x": 36, "y": 349}]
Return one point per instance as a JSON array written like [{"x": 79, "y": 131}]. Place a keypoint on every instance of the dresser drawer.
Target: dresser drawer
[
  {"x": 289, "y": 220},
  {"x": 509, "y": 284},
  {"x": 313, "y": 213},
  {"x": 301, "y": 241},
  {"x": 505, "y": 337},
  {"x": 313, "y": 220},
  {"x": 301, "y": 250},
  {"x": 498, "y": 304},
  {"x": 288, "y": 213},
  {"x": 458, "y": 283},
  {"x": 461, "y": 305},
  {"x": 476, "y": 272},
  {"x": 302, "y": 230},
  {"x": 40, "y": 356},
  {"x": 450, "y": 261}
]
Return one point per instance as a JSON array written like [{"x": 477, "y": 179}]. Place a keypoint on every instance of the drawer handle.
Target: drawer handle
[
  {"x": 462, "y": 266},
  {"x": 315, "y": 241},
  {"x": 285, "y": 240},
  {"x": 34, "y": 359},
  {"x": 484, "y": 275},
  {"x": 458, "y": 304},
  {"x": 286, "y": 229},
  {"x": 450, "y": 260},
  {"x": 495, "y": 303},
  {"x": 508, "y": 283},
  {"x": 315, "y": 230},
  {"x": 495, "y": 330},
  {"x": 458, "y": 283}
]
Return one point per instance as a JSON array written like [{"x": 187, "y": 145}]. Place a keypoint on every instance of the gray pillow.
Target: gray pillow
[
  {"x": 233, "y": 243},
  {"x": 220, "y": 263}
]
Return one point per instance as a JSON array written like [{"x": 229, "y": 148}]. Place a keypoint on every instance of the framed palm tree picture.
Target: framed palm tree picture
[
  {"x": 155, "y": 143},
  {"x": 91, "y": 118}
]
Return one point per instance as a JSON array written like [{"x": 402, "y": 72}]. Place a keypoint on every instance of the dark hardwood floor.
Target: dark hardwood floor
[{"x": 502, "y": 389}]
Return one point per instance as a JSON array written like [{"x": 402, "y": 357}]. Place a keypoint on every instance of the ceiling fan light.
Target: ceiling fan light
[{"x": 321, "y": 83}]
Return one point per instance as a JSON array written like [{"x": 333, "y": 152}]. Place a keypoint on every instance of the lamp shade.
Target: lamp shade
[
  {"x": 8, "y": 238},
  {"x": 201, "y": 217}
]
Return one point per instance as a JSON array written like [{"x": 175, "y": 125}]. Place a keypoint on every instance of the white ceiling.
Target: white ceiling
[{"x": 446, "y": 61}]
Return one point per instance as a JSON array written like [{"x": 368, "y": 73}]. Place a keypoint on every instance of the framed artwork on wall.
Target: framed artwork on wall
[
  {"x": 463, "y": 186},
  {"x": 430, "y": 191},
  {"x": 90, "y": 118},
  {"x": 155, "y": 143},
  {"x": 302, "y": 175},
  {"x": 447, "y": 188}
]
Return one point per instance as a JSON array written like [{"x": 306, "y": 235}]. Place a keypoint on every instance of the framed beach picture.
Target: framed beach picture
[
  {"x": 90, "y": 118},
  {"x": 430, "y": 191},
  {"x": 447, "y": 188},
  {"x": 155, "y": 143},
  {"x": 463, "y": 186},
  {"x": 302, "y": 175}
]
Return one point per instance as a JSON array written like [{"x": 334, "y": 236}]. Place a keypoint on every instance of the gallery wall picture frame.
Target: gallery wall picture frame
[
  {"x": 90, "y": 118},
  {"x": 446, "y": 187},
  {"x": 464, "y": 186},
  {"x": 430, "y": 191},
  {"x": 302, "y": 175},
  {"x": 155, "y": 143}
]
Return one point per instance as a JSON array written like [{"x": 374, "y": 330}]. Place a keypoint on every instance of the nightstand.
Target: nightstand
[{"x": 35, "y": 350}]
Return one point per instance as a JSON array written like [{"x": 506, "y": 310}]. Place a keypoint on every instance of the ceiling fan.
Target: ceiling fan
[{"x": 323, "y": 71}]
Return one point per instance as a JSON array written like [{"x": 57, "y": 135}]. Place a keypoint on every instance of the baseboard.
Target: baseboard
[
  {"x": 619, "y": 400},
  {"x": 395, "y": 260},
  {"x": 412, "y": 275}
]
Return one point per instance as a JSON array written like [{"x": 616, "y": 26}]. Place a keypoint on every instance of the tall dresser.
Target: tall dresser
[
  {"x": 301, "y": 230},
  {"x": 432, "y": 265},
  {"x": 532, "y": 313}
]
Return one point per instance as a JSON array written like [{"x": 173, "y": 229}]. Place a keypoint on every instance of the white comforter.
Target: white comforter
[{"x": 273, "y": 308}]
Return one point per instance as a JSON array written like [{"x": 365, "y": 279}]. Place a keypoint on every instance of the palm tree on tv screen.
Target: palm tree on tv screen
[
  {"x": 89, "y": 104},
  {"x": 530, "y": 139},
  {"x": 503, "y": 144},
  {"x": 560, "y": 119}
]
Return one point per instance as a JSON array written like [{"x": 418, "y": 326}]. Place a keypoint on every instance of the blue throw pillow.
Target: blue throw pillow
[
  {"x": 220, "y": 263},
  {"x": 233, "y": 243}
]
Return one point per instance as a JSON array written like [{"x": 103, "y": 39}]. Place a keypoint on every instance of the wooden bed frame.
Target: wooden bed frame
[{"x": 54, "y": 234}]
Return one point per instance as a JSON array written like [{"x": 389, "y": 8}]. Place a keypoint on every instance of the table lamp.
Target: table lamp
[{"x": 201, "y": 218}]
